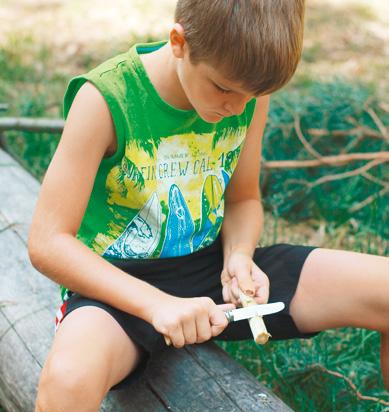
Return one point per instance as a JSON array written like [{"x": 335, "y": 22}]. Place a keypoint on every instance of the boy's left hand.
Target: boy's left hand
[{"x": 240, "y": 271}]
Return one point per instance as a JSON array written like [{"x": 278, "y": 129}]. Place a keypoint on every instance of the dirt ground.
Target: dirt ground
[{"x": 348, "y": 38}]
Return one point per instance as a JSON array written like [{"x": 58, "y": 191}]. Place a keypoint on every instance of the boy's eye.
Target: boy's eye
[{"x": 224, "y": 91}]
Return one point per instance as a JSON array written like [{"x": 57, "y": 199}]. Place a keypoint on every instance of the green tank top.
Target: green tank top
[{"x": 162, "y": 193}]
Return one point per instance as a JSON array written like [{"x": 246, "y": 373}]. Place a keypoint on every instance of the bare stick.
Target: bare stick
[
  {"x": 364, "y": 131},
  {"x": 368, "y": 200},
  {"x": 378, "y": 123},
  {"x": 350, "y": 382},
  {"x": 304, "y": 141},
  {"x": 338, "y": 160},
  {"x": 257, "y": 325},
  {"x": 355, "y": 172}
]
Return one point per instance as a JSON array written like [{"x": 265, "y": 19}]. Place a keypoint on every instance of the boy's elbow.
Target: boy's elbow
[
  {"x": 35, "y": 252},
  {"x": 38, "y": 245},
  {"x": 41, "y": 247}
]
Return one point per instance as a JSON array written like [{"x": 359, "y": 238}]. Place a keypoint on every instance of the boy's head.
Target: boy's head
[
  {"x": 252, "y": 44},
  {"x": 256, "y": 42}
]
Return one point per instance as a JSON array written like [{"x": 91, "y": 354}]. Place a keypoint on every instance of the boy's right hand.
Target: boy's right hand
[{"x": 189, "y": 320}]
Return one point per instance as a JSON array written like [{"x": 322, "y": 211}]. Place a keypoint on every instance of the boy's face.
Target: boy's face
[{"x": 207, "y": 91}]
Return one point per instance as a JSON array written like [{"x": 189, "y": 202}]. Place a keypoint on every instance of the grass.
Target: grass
[
  {"x": 302, "y": 372},
  {"x": 342, "y": 38}
]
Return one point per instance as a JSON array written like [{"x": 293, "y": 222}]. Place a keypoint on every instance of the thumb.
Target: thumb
[
  {"x": 246, "y": 283},
  {"x": 217, "y": 318},
  {"x": 226, "y": 306}
]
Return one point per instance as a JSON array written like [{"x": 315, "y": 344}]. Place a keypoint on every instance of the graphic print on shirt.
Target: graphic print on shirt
[
  {"x": 179, "y": 227},
  {"x": 141, "y": 235},
  {"x": 177, "y": 195},
  {"x": 211, "y": 213}
]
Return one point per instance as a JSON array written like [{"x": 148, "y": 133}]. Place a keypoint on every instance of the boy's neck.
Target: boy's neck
[{"x": 161, "y": 67}]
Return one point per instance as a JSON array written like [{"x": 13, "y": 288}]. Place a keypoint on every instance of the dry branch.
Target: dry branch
[
  {"x": 351, "y": 173},
  {"x": 359, "y": 130},
  {"x": 337, "y": 160},
  {"x": 373, "y": 179},
  {"x": 350, "y": 383},
  {"x": 368, "y": 200},
  {"x": 303, "y": 140},
  {"x": 378, "y": 123}
]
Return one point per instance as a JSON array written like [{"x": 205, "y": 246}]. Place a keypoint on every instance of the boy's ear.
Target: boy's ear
[{"x": 177, "y": 40}]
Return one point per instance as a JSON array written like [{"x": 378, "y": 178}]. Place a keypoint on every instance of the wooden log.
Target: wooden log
[
  {"x": 32, "y": 125},
  {"x": 197, "y": 378}
]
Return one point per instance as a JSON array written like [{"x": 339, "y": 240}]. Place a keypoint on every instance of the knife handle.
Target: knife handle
[{"x": 229, "y": 316}]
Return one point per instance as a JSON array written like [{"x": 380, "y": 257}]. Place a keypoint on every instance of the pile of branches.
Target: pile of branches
[{"x": 326, "y": 154}]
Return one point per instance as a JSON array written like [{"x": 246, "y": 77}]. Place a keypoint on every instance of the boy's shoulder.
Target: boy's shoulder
[
  {"x": 108, "y": 77},
  {"x": 111, "y": 64}
]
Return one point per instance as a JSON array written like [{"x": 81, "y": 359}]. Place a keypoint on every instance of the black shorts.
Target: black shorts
[{"x": 198, "y": 274}]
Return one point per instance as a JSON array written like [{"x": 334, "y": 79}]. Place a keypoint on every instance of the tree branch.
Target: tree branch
[
  {"x": 355, "y": 172},
  {"x": 378, "y": 122},
  {"x": 337, "y": 160},
  {"x": 350, "y": 383},
  {"x": 359, "y": 130},
  {"x": 368, "y": 200}
]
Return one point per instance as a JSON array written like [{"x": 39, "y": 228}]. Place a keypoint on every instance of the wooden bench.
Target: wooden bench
[{"x": 195, "y": 378}]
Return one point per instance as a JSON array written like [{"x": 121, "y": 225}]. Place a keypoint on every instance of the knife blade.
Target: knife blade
[{"x": 255, "y": 310}]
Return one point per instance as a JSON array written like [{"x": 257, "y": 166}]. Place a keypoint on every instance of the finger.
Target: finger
[
  {"x": 245, "y": 281},
  {"x": 258, "y": 275},
  {"x": 232, "y": 298},
  {"x": 262, "y": 295},
  {"x": 226, "y": 293},
  {"x": 262, "y": 285},
  {"x": 225, "y": 276},
  {"x": 177, "y": 337},
  {"x": 226, "y": 306},
  {"x": 203, "y": 327},
  {"x": 228, "y": 296},
  {"x": 235, "y": 289},
  {"x": 190, "y": 331},
  {"x": 218, "y": 320}
]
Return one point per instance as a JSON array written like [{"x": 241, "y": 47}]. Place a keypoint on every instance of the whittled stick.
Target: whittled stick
[{"x": 257, "y": 325}]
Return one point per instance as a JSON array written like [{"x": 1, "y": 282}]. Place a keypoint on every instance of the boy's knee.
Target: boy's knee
[{"x": 65, "y": 382}]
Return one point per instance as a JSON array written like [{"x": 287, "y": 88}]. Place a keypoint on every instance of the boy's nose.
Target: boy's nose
[{"x": 235, "y": 108}]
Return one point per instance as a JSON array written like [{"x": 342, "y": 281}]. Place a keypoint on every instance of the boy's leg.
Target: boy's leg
[
  {"x": 340, "y": 288},
  {"x": 89, "y": 355}
]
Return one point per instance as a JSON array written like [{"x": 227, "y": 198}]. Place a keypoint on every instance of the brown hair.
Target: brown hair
[{"x": 257, "y": 43}]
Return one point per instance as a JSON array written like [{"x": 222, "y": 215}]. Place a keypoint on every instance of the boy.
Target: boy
[{"x": 150, "y": 213}]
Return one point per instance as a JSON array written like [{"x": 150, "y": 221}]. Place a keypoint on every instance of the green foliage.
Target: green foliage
[
  {"x": 340, "y": 113},
  {"x": 304, "y": 373}
]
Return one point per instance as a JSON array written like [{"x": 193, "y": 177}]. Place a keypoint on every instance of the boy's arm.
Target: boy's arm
[
  {"x": 243, "y": 217},
  {"x": 65, "y": 191}
]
